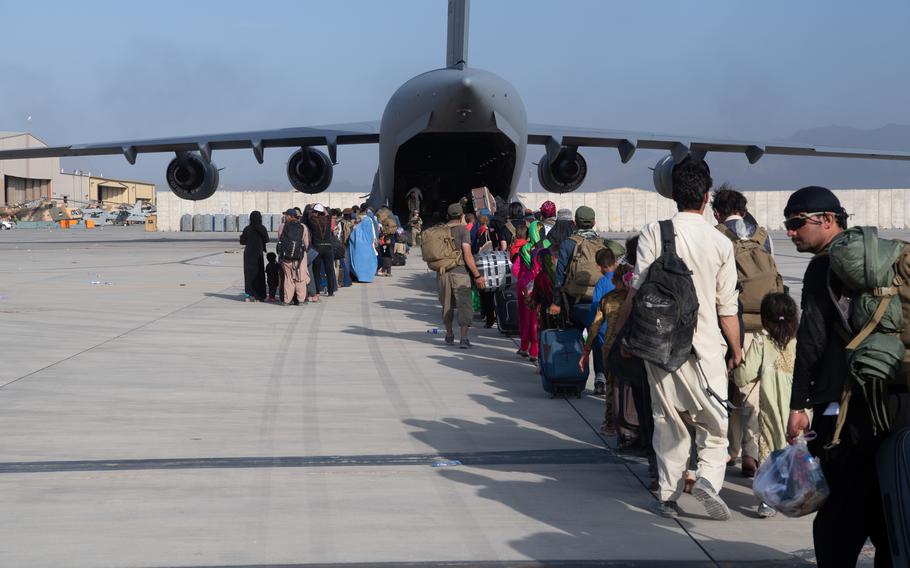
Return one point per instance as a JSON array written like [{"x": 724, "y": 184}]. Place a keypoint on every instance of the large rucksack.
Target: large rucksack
[
  {"x": 665, "y": 309},
  {"x": 290, "y": 245},
  {"x": 756, "y": 272},
  {"x": 439, "y": 249},
  {"x": 583, "y": 271},
  {"x": 875, "y": 274}
]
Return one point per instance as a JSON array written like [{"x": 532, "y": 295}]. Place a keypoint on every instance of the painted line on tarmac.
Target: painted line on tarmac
[
  {"x": 532, "y": 564},
  {"x": 578, "y": 456}
]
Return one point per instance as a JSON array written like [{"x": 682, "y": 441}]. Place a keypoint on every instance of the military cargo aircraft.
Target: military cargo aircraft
[{"x": 444, "y": 131}]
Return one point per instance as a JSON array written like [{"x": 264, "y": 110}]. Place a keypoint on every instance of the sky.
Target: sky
[{"x": 94, "y": 71}]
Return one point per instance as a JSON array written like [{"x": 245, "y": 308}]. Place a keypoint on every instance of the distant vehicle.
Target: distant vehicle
[{"x": 6, "y": 225}]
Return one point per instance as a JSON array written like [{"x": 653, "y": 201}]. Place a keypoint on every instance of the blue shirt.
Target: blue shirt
[{"x": 603, "y": 287}]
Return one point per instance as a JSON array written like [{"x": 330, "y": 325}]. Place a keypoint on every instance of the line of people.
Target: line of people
[
  {"x": 752, "y": 373},
  {"x": 319, "y": 250}
]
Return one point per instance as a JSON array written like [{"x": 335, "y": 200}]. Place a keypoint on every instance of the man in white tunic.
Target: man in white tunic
[{"x": 684, "y": 397}]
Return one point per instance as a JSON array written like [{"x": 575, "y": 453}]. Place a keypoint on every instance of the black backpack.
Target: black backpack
[
  {"x": 665, "y": 309},
  {"x": 290, "y": 245}
]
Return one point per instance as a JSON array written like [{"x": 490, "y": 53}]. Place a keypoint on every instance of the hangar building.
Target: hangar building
[{"x": 41, "y": 178}]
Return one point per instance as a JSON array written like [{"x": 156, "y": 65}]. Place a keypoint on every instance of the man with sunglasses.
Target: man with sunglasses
[{"x": 853, "y": 511}]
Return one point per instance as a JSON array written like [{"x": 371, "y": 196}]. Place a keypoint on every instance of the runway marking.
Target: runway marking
[
  {"x": 576, "y": 456},
  {"x": 788, "y": 563}
]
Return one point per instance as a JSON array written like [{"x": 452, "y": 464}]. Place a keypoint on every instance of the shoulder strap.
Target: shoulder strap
[
  {"x": 726, "y": 232},
  {"x": 760, "y": 236},
  {"x": 667, "y": 238}
]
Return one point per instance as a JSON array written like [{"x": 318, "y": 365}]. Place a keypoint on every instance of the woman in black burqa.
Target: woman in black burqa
[{"x": 254, "y": 237}]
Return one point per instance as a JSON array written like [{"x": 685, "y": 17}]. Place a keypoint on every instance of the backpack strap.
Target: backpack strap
[
  {"x": 667, "y": 238},
  {"x": 760, "y": 236}
]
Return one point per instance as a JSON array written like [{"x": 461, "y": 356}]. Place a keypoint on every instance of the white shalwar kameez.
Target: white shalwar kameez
[{"x": 680, "y": 398}]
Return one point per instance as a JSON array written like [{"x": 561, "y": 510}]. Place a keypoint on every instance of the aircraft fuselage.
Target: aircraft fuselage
[{"x": 447, "y": 131}]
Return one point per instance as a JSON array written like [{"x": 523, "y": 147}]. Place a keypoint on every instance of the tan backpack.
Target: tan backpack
[
  {"x": 583, "y": 271},
  {"x": 756, "y": 272},
  {"x": 439, "y": 249},
  {"x": 387, "y": 221}
]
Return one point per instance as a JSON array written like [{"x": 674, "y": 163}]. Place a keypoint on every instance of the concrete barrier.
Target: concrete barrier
[{"x": 622, "y": 209}]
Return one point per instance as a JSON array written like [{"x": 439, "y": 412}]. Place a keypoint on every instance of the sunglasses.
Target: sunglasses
[{"x": 796, "y": 223}]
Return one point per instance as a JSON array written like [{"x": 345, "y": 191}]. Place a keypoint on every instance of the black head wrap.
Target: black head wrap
[{"x": 561, "y": 231}]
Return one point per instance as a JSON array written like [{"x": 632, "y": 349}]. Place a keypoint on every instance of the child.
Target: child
[
  {"x": 769, "y": 361},
  {"x": 386, "y": 248},
  {"x": 271, "y": 273},
  {"x": 606, "y": 261},
  {"x": 605, "y": 314}
]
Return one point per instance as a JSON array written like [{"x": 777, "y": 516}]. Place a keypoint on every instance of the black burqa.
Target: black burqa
[{"x": 254, "y": 237}]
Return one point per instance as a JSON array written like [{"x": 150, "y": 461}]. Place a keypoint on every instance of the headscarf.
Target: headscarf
[
  {"x": 547, "y": 209},
  {"x": 257, "y": 226},
  {"x": 562, "y": 230},
  {"x": 535, "y": 236},
  {"x": 256, "y": 223}
]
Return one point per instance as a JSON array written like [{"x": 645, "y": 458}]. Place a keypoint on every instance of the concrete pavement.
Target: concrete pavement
[{"x": 150, "y": 418}]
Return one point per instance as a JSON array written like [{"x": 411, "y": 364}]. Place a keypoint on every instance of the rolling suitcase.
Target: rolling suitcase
[
  {"x": 560, "y": 350},
  {"x": 505, "y": 301},
  {"x": 893, "y": 461}
]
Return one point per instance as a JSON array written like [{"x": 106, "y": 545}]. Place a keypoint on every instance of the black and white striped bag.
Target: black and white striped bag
[{"x": 495, "y": 268}]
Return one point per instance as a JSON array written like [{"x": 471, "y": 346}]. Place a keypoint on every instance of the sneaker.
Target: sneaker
[
  {"x": 600, "y": 388},
  {"x": 532, "y": 359},
  {"x": 521, "y": 353},
  {"x": 465, "y": 343},
  {"x": 714, "y": 505},
  {"x": 665, "y": 509},
  {"x": 450, "y": 340},
  {"x": 766, "y": 511}
]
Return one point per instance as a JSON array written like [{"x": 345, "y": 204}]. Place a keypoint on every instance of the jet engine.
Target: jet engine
[
  {"x": 663, "y": 176},
  {"x": 309, "y": 170},
  {"x": 564, "y": 174},
  {"x": 191, "y": 177}
]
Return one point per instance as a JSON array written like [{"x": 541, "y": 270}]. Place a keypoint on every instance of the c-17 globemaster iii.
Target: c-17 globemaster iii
[{"x": 444, "y": 131}]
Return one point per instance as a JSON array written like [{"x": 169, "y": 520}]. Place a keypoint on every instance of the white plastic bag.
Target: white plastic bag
[{"x": 791, "y": 480}]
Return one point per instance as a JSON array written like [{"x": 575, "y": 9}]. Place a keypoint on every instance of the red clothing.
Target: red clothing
[{"x": 516, "y": 247}]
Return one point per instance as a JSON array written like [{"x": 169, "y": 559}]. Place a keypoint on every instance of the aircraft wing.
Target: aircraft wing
[
  {"x": 554, "y": 137},
  {"x": 257, "y": 141}
]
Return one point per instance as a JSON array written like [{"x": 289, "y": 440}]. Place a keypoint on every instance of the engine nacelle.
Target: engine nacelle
[
  {"x": 565, "y": 174},
  {"x": 309, "y": 170},
  {"x": 191, "y": 177},
  {"x": 663, "y": 176}
]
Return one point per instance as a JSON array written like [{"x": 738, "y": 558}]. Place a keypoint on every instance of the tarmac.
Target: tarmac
[{"x": 149, "y": 418}]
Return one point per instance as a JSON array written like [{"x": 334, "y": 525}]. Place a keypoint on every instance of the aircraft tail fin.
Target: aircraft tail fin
[{"x": 457, "y": 41}]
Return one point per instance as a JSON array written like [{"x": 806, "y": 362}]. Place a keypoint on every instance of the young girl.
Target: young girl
[{"x": 770, "y": 362}]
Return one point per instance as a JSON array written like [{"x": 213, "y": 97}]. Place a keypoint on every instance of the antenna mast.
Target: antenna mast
[{"x": 457, "y": 41}]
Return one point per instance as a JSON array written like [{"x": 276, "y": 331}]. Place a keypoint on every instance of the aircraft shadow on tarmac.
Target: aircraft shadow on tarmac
[{"x": 621, "y": 505}]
